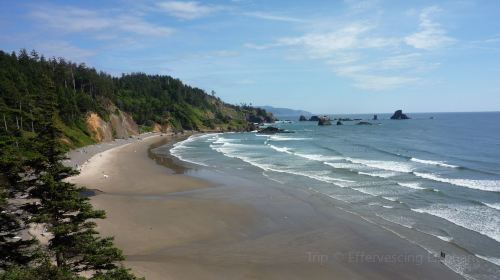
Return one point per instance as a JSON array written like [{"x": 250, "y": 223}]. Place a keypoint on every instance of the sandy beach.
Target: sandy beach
[{"x": 201, "y": 224}]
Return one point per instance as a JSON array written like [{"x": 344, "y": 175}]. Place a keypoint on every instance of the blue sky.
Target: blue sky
[{"x": 322, "y": 56}]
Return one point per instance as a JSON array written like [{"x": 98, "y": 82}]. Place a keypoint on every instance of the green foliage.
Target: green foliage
[
  {"x": 76, "y": 134},
  {"x": 45, "y": 271},
  {"x": 116, "y": 274},
  {"x": 79, "y": 89},
  {"x": 13, "y": 164},
  {"x": 31, "y": 164},
  {"x": 68, "y": 215}
]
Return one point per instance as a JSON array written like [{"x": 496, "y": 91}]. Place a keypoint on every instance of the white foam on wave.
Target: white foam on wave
[
  {"x": 285, "y": 138},
  {"x": 411, "y": 185},
  {"x": 317, "y": 157},
  {"x": 281, "y": 149},
  {"x": 480, "y": 219},
  {"x": 190, "y": 161},
  {"x": 394, "y": 199},
  {"x": 434, "y": 162},
  {"x": 232, "y": 151},
  {"x": 444, "y": 238},
  {"x": 396, "y": 166},
  {"x": 399, "y": 220},
  {"x": 493, "y": 205},
  {"x": 342, "y": 165},
  {"x": 178, "y": 147},
  {"x": 222, "y": 140},
  {"x": 366, "y": 191},
  {"x": 493, "y": 260},
  {"x": 313, "y": 157},
  {"x": 380, "y": 174},
  {"x": 484, "y": 185}
]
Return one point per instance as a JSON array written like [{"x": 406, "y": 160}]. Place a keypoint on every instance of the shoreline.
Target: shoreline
[{"x": 211, "y": 226}]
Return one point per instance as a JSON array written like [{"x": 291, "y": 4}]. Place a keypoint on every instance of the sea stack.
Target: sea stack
[
  {"x": 398, "y": 115},
  {"x": 272, "y": 130},
  {"x": 314, "y": 119},
  {"x": 375, "y": 117},
  {"x": 302, "y": 118},
  {"x": 325, "y": 120}
]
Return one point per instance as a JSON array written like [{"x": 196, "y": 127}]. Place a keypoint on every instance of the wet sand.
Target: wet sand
[{"x": 176, "y": 223}]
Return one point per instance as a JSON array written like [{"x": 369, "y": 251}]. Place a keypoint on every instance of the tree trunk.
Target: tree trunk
[
  {"x": 32, "y": 127},
  {"x": 17, "y": 122},
  {"x": 59, "y": 259},
  {"x": 21, "y": 112},
  {"x": 5, "y": 123},
  {"x": 73, "y": 77}
]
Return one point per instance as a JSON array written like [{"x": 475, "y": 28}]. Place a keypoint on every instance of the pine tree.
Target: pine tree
[
  {"x": 13, "y": 249},
  {"x": 44, "y": 271},
  {"x": 75, "y": 244}
]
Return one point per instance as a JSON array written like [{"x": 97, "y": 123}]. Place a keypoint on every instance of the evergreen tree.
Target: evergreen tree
[
  {"x": 13, "y": 249},
  {"x": 75, "y": 244},
  {"x": 44, "y": 271}
]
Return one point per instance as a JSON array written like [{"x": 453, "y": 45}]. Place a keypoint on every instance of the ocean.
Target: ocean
[{"x": 433, "y": 180}]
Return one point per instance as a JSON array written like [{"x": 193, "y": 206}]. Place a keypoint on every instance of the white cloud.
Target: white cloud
[
  {"x": 380, "y": 82},
  {"x": 344, "y": 59},
  {"x": 378, "y": 75},
  {"x": 360, "y": 50},
  {"x": 273, "y": 17},
  {"x": 261, "y": 47},
  {"x": 431, "y": 34},
  {"x": 73, "y": 19},
  {"x": 343, "y": 48},
  {"x": 361, "y": 5},
  {"x": 400, "y": 61},
  {"x": 322, "y": 45},
  {"x": 138, "y": 26},
  {"x": 187, "y": 9}
]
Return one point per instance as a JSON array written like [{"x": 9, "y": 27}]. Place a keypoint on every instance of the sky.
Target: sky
[{"x": 367, "y": 56}]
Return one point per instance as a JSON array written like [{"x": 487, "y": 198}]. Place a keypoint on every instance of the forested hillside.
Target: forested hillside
[
  {"x": 153, "y": 101},
  {"x": 48, "y": 105}
]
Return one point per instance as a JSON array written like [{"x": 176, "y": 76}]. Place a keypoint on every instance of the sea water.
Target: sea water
[{"x": 434, "y": 179}]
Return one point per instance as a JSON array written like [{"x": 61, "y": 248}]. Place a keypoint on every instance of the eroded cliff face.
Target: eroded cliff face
[
  {"x": 99, "y": 129},
  {"x": 123, "y": 125},
  {"x": 162, "y": 128},
  {"x": 120, "y": 125}
]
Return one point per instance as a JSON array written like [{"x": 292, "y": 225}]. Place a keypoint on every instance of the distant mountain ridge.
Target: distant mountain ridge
[{"x": 284, "y": 111}]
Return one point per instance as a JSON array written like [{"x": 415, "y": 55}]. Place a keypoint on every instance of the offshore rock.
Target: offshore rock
[
  {"x": 324, "y": 121},
  {"x": 398, "y": 115}
]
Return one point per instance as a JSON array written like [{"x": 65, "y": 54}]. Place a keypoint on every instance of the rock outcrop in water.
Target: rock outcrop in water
[
  {"x": 375, "y": 117},
  {"x": 364, "y": 123},
  {"x": 272, "y": 130},
  {"x": 344, "y": 119},
  {"x": 314, "y": 119},
  {"x": 398, "y": 115},
  {"x": 302, "y": 118},
  {"x": 339, "y": 123},
  {"x": 324, "y": 121}
]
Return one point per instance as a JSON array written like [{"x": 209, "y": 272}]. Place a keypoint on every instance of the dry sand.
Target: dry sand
[{"x": 174, "y": 226}]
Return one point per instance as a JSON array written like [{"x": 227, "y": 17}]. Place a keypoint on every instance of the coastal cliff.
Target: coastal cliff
[
  {"x": 120, "y": 125},
  {"x": 93, "y": 106}
]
